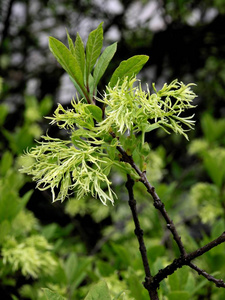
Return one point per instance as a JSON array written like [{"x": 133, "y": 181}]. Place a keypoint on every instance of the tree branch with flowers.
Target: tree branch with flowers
[{"x": 109, "y": 131}]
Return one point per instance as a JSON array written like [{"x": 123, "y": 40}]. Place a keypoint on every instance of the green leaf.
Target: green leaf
[
  {"x": 135, "y": 286},
  {"x": 129, "y": 68},
  {"x": 79, "y": 53},
  {"x": 177, "y": 295},
  {"x": 103, "y": 62},
  {"x": 91, "y": 86},
  {"x": 70, "y": 42},
  {"x": 213, "y": 129},
  {"x": 76, "y": 269},
  {"x": 6, "y": 162},
  {"x": 77, "y": 87},
  {"x": 3, "y": 113},
  {"x": 45, "y": 105},
  {"x": 214, "y": 162},
  {"x": 93, "y": 48},
  {"x": 95, "y": 111},
  {"x": 67, "y": 61},
  {"x": 50, "y": 295},
  {"x": 99, "y": 291}
]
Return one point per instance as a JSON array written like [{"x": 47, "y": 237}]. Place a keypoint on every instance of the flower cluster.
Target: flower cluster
[
  {"x": 81, "y": 164},
  {"x": 130, "y": 108},
  {"x": 59, "y": 165}
]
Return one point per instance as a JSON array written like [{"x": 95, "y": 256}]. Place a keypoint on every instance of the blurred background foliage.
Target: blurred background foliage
[{"x": 68, "y": 247}]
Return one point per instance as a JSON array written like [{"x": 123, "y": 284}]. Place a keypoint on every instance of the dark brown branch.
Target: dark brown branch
[
  {"x": 157, "y": 202},
  {"x": 139, "y": 233},
  {"x": 186, "y": 260},
  {"x": 218, "y": 282},
  {"x": 152, "y": 283}
]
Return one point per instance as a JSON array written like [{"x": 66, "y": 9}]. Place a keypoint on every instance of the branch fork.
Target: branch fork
[{"x": 151, "y": 282}]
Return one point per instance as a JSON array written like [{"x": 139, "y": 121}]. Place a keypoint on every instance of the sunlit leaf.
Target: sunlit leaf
[
  {"x": 70, "y": 42},
  {"x": 50, "y": 295},
  {"x": 103, "y": 62},
  {"x": 79, "y": 53},
  {"x": 67, "y": 60},
  {"x": 99, "y": 291},
  {"x": 129, "y": 68},
  {"x": 93, "y": 48}
]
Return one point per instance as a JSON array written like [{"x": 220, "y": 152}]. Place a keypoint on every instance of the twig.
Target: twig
[
  {"x": 157, "y": 202},
  {"x": 152, "y": 283},
  {"x": 186, "y": 260},
  {"x": 218, "y": 282},
  {"x": 139, "y": 233}
]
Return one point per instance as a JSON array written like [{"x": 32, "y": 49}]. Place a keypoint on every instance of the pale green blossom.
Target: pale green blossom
[
  {"x": 57, "y": 164},
  {"x": 130, "y": 108}
]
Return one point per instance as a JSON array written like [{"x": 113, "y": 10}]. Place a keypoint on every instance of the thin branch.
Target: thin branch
[
  {"x": 139, "y": 233},
  {"x": 218, "y": 282},
  {"x": 186, "y": 260},
  {"x": 157, "y": 202}
]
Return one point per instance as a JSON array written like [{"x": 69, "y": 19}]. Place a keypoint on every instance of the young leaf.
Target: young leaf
[
  {"x": 91, "y": 86},
  {"x": 80, "y": 91},
  {"x": 103, "y": 62},
  {"x": 67, "y": 60},
  {"x": 99, "y": 291},
  {"x": 129, "y": 68},
  {"x": 95, "y": 111},
  {"x": 70, "y": 42},
  {"x": 93, "y": 48},
  {"x": 177, "y": 295},
  {"x": 79, "y": 53},
  {"x": 50, "y": 295}
]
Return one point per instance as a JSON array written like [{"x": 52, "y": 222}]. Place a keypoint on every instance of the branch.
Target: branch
[
  {"x": 139, "y": 233},
  {"x": 157, "y": 202},
  {"x": 186, "y": 260},
  {"x": 218, "y": 282}
]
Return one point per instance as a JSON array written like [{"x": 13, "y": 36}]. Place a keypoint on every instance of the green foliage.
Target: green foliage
[
  {"x": 128, "y": 68},
  {"x": 23, "y": 136},
  {"x": 52, "y": 295},
  {"x": 98, "y": 291},
  {"x": 30, "y": 256},
  {"x": 22, "y": 248},
  {"x": 79, "y": 63}
]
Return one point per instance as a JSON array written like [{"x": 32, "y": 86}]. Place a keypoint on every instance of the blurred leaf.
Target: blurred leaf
[
  {"x": 3, "y": 113},
  {"x": 45, "y": 105},
  {"x": 213, "y": 129},
  {"x": 50, "y": 295},
  {"x": 4, "y": 230},
  {"x": 99, "y": 291},
  {"x": 104, "y": 268},
  {"x": 214, "y": 161},
  {"x": 190, "y": 283},
  {"x": 76, "y": 269},
  {"x": 135, "y": 286},
  {"x": 178, "y": 295},
  {"x": 5, "y": 162}
]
